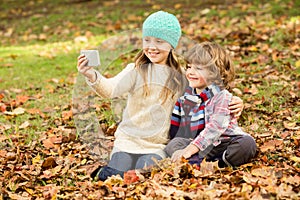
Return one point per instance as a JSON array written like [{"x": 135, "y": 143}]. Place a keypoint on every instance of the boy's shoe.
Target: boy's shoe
[{"x": 195, "y": 159}]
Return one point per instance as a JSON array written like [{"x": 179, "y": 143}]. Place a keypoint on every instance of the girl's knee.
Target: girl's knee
[
  {"x": 147, "y": 161},
  {"x": 121, "y": 161}
]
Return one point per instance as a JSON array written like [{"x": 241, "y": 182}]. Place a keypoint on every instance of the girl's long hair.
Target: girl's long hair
[{"x": 176, "y": 81}]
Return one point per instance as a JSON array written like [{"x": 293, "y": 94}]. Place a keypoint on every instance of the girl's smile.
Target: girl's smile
[{"x": 157, "y": 50}]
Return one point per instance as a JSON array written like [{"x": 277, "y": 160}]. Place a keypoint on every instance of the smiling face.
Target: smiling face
[
  {"x": 210, "y": 61},
  {"x": 157, "y": 50},
  {"x": 197, "y": 77}
]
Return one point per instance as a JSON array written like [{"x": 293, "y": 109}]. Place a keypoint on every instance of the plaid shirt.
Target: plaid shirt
[
  {"x": 219, "y": 123},
  {"x": 187, "y": 119}
]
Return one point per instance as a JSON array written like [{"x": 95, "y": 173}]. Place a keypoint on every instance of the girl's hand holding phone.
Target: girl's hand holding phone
[{"x": 87, "y": 71}]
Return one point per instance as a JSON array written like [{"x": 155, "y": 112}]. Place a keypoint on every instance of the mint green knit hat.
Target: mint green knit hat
[{"x": 163, "y": 25}]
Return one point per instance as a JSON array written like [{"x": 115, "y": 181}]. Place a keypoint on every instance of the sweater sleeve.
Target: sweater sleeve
[
  {"x": 115, "y": 86},
  {"x": 217, "y": 123}
]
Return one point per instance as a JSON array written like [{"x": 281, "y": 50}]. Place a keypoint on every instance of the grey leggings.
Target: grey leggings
[
  {"x": 123, "y": 161},
  {"x": 234, "y": 151}
]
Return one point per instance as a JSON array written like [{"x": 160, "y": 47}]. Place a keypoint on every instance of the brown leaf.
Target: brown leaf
[
  {"x": 67, "y": 115},
  {"x": 206, "y": 168},
  {"x": 35, "y": 111},
  {"x": 4, "y": 127},
  {"x": 17, "y": 196},
  {"x": 22, "y": 99},
  {"x": 51, "y": 141},
  {"x": 50, "y": 173},
  {"x": 262, "y": 171},
  {"x": 49, "y": 163},
  {"x": 253, "y": 90},
  {"x": 271, "y": 145}
]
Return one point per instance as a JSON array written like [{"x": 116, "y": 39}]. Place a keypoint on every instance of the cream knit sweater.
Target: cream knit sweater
[{"x": 145, "y": 122}]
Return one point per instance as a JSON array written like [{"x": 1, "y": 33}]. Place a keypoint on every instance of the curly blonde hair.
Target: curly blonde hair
[{"x": 214, "y": 57}]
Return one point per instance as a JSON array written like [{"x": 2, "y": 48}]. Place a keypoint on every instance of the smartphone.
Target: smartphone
[{"x": 92, "y": 56}]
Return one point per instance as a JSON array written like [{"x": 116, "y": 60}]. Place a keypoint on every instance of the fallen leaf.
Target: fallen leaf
[
  {"x": 291, "y": 125},
  {"x": 24, "y": 125},
  {"x": 296, "y": 159},
  {"x": 17, "y": 111},
  {"x": 36, "y": 111},
  {"x": 36, "y": 159},
  {"x": 271, "y": 145},
  {"x": 49, "y": 163}
]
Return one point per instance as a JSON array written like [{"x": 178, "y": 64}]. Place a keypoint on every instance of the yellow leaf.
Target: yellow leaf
[
  {"x": 253, "y": 48},
  {"x": 83, "y": 161},
  {"x": 36, "y": 159},
  {"x": 156, "y": 7},
  {"x": 178, "y": 5},
  {"x": 297, "y": 64},
  {"x": 30, "y": 191},
  {"x": 246, "y": 187},
  {"x": 53, "y": 197},
  {"x": 296, "y": 159},
  {"x": 193, "y": 186}
]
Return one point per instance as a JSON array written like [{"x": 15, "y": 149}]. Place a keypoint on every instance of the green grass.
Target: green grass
[{"x": 34, "y": 65}]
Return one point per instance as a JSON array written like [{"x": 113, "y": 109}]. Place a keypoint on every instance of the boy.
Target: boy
[{"x": 201, "y": 124}]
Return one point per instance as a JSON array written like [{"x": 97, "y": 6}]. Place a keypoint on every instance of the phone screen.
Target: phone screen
[{"x": 92, "y": 56}]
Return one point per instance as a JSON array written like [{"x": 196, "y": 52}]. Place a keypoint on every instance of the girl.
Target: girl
[
  {"x": 201, "y": 124},
  {"x": 153, "y": 83}
]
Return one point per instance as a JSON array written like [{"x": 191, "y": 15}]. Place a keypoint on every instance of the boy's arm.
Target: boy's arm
[{"x": 218, "y": 121}]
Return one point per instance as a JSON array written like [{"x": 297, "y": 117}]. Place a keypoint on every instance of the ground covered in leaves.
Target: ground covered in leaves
[{"x": 41, "y": 157}]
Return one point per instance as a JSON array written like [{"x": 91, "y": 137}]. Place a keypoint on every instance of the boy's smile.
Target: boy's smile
[{"x": 197, "y": 77}]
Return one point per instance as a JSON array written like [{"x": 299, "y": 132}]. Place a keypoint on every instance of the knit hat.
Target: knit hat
[{"x": 162, "y": 25}]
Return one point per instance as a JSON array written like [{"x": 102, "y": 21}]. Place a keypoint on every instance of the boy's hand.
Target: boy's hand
[
  {"x": 177, "y": 155},
  {"x": 87, "y": 71},
  {"x": 236, "y": 106},
  {"x": 187, "y": 152}
]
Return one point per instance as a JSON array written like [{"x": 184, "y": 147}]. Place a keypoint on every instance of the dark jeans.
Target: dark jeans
[{"x": 234, "y": 151}]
